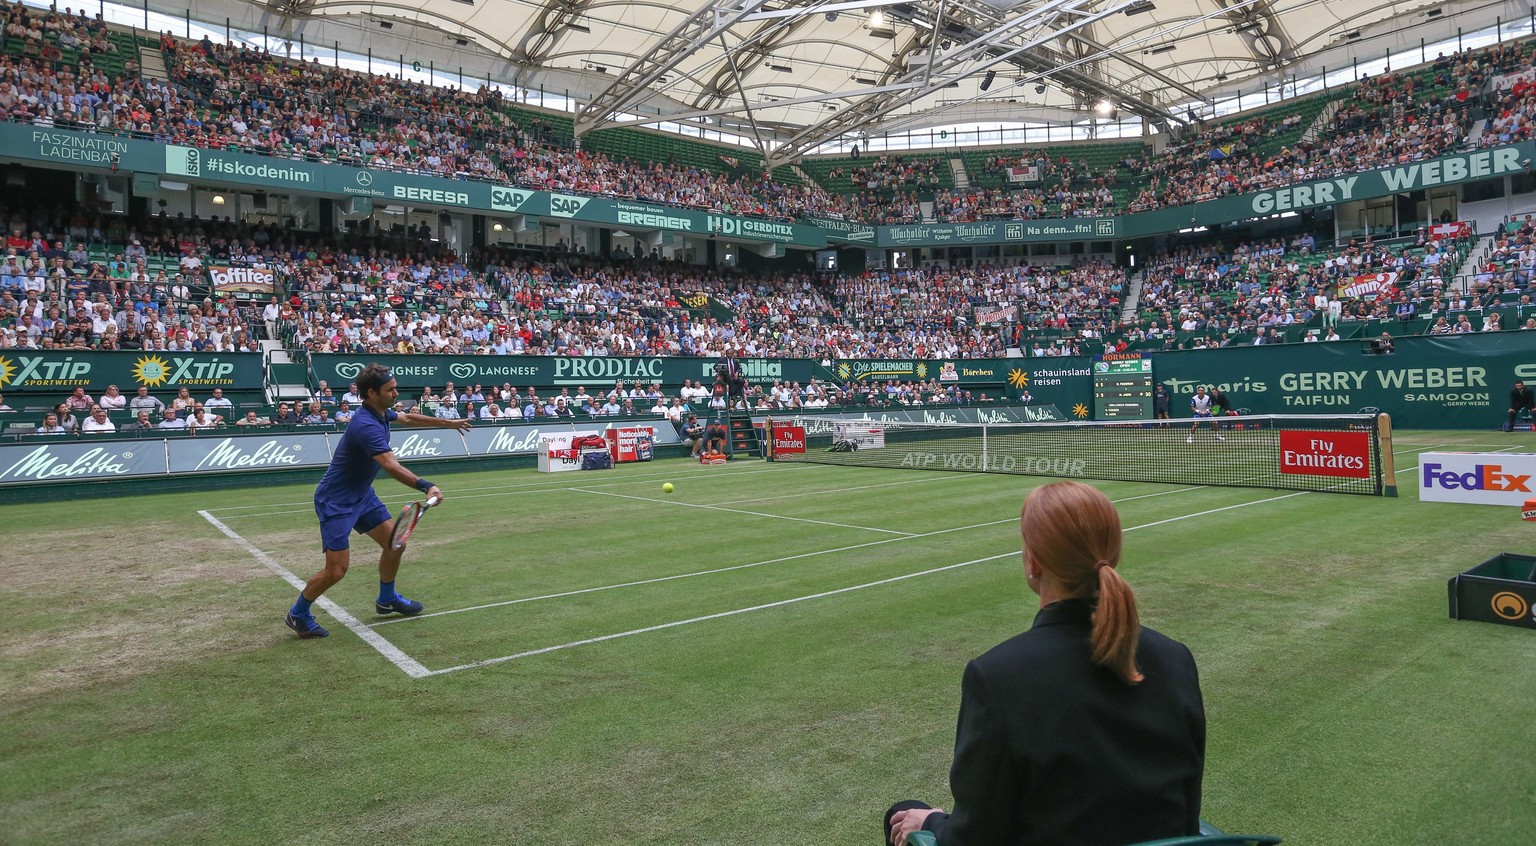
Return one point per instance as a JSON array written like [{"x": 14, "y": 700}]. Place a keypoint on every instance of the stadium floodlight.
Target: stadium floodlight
[
  {"x": 579, "y": 27},
  {"x": 1104, "y": 107},
  {"x": 879, "y": 25},
  {"x": 781, "y": 68},
  {"x": 1140, "y": 8},
  {"x": 1164, "y": 48}
]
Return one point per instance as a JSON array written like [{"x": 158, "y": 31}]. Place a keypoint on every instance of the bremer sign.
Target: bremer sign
[{"x": 1340, "y": 454}]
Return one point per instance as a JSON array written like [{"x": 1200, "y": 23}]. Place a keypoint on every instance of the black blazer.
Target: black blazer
[{"x": 1052, "y": 750}]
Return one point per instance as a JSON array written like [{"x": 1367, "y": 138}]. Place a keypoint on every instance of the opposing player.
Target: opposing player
[
  {"x": 1201, "y": 404},
  {"x": 345, "y": 500}
]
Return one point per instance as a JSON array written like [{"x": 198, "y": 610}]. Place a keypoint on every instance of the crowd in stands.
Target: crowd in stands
[
  {"x": 229, "y": 96},
  {"x": 55, "y": 294},
  {"x": 1214, "y": 295}
]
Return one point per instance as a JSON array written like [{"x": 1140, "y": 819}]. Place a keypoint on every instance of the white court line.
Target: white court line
[
  {"x": 800, "y": 494},
  {"x": 718, "y": 570},
  {"x": 715, "y": 473},
  {"x": 740, "y": 511},
  {"x": 400, "y": 498},
  {"x": 783, "y": 602},
  {"x": 674, "y": 624},
  {"x": 410, "y": 666}
]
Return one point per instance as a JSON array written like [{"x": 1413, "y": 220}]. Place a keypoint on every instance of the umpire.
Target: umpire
[{"x": 1520, "y": 399}]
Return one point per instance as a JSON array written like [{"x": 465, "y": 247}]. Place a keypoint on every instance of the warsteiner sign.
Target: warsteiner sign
[{"x": 94, "y": 371}]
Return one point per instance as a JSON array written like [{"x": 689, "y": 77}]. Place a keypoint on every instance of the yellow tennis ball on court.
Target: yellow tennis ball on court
[{"x": 666, "y": 487}]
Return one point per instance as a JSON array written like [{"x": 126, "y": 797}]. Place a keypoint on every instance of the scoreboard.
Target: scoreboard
[{"x": 1122, "y": 387}]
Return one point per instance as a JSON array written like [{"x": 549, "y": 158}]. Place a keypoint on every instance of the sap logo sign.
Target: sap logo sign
[
  {"x": 508, "y": 199},
  {"x": 565, "y": 206},
  {"x": 1484, "y": 477}
]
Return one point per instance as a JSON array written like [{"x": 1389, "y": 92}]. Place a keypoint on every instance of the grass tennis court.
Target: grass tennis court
[{"x": 770, "y": 654}]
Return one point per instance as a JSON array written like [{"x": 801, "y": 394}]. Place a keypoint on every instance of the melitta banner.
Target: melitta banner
[
  {"x": 69, "y": 460},
  {"x": 31, "y": 371},
  {"x": 206, "y": 454},
  {"x": 76, "y": 460},
  {"x": 592, "y": 372}
]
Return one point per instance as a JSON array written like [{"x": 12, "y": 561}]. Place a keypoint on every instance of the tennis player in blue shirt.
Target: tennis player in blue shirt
[{"x": 345, "y": 500}]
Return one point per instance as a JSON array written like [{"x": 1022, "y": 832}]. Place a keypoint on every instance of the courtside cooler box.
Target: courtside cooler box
[{"x": 1499, "y": 590}]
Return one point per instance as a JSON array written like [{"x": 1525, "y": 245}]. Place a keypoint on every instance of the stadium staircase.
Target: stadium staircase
[
  {"x": 1132, "y": 297},
  {"x": 286, "y": 379},
  {"x": 962, "y": 178},
  {"x": 804, "y": 177},
  {"x": 152, "y": 63},
  {"x": 744, "y": 438},
  {"x": 1322, "y": 122}
]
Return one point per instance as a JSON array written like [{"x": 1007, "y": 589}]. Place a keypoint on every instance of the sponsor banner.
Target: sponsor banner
[
  {"x": 623, "y": 443},
  {"x": 1002, "y": 232},
  {"x": 417, "y": 371},
  {"x": 414, "y": 444},
  {"x": 247, "y": 452},
  {"x": 80, "y": 149},
  {"x": 228, "y": 279},
  {"x": 1339, "y": 454},
  {"x": 788, "y": 440},
  {"x": 1027, "y": 173},
  {"x": 64, "y": 371},
  {"x": 844, "y": 231},
  {"x": 1505, "y": 81},
  {"x": 1432, "y": 382},
  {"x": 1369, "y": 286},
  {"x": 1494, "y": 478},
  {"x": 861, "y": 434},
  {"x": 1506, "y": 601},
  {"x": 991, "y": 315},
  {"x": 860, "y": 370},
  {"x": 74, "y": 461},
  {"x": 75, "y": 150}
]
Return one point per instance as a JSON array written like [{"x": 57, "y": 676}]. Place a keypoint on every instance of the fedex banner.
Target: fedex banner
[
  {"x": 1339, "y": 454},
  {"x": 1480, "y": 478}
]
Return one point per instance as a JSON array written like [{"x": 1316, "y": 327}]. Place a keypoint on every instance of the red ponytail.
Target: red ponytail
[
  {"x": 1116, "y": 627},
  {"x": 1073, "y": 531}
]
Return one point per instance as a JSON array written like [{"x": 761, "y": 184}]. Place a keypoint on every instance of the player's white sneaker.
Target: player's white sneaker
[
  {"x": 1220, "y": 438},
  {"x": 1190, "y": 439}
]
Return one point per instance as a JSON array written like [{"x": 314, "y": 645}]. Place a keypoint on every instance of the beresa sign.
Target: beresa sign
[
  {"x": 1339, "y": 454},
  {"x": 788, "y": 440}
]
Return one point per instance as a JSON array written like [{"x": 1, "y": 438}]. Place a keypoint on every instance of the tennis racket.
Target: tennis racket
[{"x": 405, "y": 524}]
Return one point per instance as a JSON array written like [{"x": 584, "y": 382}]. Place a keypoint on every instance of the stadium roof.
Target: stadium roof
[{"x": 802, "y": 72}]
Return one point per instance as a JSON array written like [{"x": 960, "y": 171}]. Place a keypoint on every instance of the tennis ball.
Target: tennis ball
[{"x": 666, "y": 487}]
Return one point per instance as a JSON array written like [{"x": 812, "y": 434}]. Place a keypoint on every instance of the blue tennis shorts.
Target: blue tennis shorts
[{"x": 338, "y": 523}]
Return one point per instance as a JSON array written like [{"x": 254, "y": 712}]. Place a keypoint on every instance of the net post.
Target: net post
[
  {"x": 1388, "y": 466},
  {"x": 768, "y": 439},
  {"x": 983, "y": 447}
]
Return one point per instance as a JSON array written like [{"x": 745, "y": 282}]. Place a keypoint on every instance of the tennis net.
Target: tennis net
[{"x": 1336, "y": 454}]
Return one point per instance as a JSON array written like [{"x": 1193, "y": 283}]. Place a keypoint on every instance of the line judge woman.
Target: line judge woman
[{"x": 1086, "y": 730}]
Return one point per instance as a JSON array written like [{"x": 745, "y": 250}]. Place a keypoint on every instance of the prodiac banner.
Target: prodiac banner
[{"x": 65, "y": 370}]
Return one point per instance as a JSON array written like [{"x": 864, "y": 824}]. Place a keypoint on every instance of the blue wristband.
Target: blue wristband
[{"x": 423, "y": 485}]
